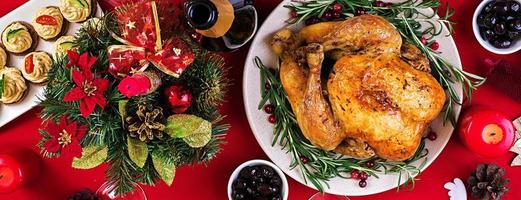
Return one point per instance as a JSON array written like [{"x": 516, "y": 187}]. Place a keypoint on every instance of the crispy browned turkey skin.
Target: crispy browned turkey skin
[{"x": 379, "y": 98}]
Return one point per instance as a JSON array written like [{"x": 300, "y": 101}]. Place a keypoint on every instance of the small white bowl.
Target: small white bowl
[
  {"x": 516, "y": 44},
  {"x": 235, "y": 174}
]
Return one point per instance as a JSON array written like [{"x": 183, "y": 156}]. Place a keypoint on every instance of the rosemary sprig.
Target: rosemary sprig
[
  {"x": 316, "y": 165},
  {"x": 412, "y": 24}
]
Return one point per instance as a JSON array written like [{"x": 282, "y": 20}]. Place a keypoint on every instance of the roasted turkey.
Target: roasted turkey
[{"x": 378, "y": 98}]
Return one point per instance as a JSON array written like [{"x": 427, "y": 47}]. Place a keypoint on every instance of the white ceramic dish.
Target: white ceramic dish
[
  {"x": 516, "y": 45},
  {"x": 285, "y": 188},
  {"x": 263, "y": 130},
  {"x": 9, "y": 112}
]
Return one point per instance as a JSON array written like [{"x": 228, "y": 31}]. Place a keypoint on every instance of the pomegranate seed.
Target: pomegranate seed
[
  {"x": 337, "y": 7},
  {"x": 355, "y": 174},
  {"x": 435, "y": 46},
  {"x": 362, "y": 183},
  {"x": 267, "y": 86},
  {"x": 380, "y": 4},
  {"x": 269, "y": 108},
  {"x": 293, "y": 14},
  {"x": 363, "y": 176},
  {"x": 369, "y": 164},
  {"x": 272, "y": 119},
  {"x": 304, "y": 159},
  {"x": 424, "y": 40},
  {"x": 432, "y": 136}
]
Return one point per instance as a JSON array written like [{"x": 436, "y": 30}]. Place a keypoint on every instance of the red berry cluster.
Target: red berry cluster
[
  {"x": 383, "y": 4},
  {"x": 362, "y": 176},
  {"x": 434, "y": 45},
  {"x": 334, "y": 12}
]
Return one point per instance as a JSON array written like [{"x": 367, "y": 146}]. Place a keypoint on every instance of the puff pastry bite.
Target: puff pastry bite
[
  {"x": 15, "y": 86},
  {"x": 3, "y": 57},
  {"x": 77, "y": 10},
  {"x": 19, "y": 38},
  {"x": 36, "y": 66},
  {"x": 49, "y": 23},
  {"x": 63, "y": 44}
]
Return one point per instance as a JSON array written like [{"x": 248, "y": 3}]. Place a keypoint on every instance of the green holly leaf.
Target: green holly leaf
[
  {"x": 183, "y": 125},
  {"x": 137, "y": 151},
  {"x": 122, "y": 108},
  {"x": 165, "y": 169},
  {"x": 12, "y": 33},
  {"x": 198, "y": 140},
  {"x": 91, "y": 157}
]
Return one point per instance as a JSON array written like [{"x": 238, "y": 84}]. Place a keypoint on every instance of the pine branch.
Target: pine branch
[{"x": 122, "y": 172}]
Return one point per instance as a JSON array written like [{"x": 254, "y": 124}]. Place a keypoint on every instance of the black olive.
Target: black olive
[
  {"x": 515, "y": 25},
  {"x": 490, "y": 20},
  {"x": 276, "y": 181},
  {"x": 488, "y": 7},
  {"x": 264, "y": 190},
  {"x": 487, "y": 34},
  {"x": 514, "y": 35},
  {"x": 513, "y": 6},
  {"x": 500, "y": 28},
  {"x": 238, "y": 195},
  {"x": 501, "y": 7},
  {"x": 502, "y": 43},
  {"x": 239, "y": 184}
]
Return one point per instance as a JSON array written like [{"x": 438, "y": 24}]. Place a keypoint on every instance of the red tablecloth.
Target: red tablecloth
[{"x": 58, "y": 179}]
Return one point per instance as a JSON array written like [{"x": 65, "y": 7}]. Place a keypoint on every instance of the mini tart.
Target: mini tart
[
  {"x": 36, "y": 66},
  {"x": 77, "y": 10},
  {"x": 19, "y": 38},
  {"x": 4, "y": 58},
  {"x": 49, "y": 23},
  {"x": 15, "y": 86},
  {"x": 63, "y": 44}
]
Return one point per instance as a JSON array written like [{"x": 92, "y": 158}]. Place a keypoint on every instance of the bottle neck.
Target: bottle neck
[{"x": 201, "y": 14}]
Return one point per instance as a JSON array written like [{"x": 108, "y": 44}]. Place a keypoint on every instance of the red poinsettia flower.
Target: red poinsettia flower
[
  {"x": 89, "y": 91},
  {"x": 65, "y": 137}
]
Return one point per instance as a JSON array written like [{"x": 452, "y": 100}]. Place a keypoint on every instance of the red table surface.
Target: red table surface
[{"x": 58, "y": 180}]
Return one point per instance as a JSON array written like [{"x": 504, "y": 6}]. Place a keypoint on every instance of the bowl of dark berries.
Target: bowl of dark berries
[
  {"x": 257, "y": 179},
  {"x": 497, "y": 25}
]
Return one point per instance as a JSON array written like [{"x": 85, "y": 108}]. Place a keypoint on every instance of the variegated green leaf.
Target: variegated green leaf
[
  {"x": 165, "y": 169},
  {"x": 137, "y": 151},
  {"x": 91, "y": 157}
]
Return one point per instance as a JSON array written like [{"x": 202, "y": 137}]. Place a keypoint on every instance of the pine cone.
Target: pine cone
[
  {"x": 85, "y": 194},
  {"x": 487, "y": 183},
  {"x": 147, "y": 123}
]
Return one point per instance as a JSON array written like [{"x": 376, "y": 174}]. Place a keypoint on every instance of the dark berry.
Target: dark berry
[
  {"x": 360, "y": 11},
  {"x": 362, "y": 183},
  {"x": 337, "y": 7},
  {"x": 327, "y": 16},
  {"x": 238, "y": 195},
  {"x": 515, "y": 25},
  {"x": 363, "y": 176},
  {"x": 508, "y": 17},
  {"x": 267, "y": 172},
  {"x": 380, "y": 4},
  {"x": 502, "y": 43},
  {"x": 355, "y": 174},
  {"x": 251, "y": 191},
  {"x": 513, "y": 6},
  {"x": 488, "y": 7},
  {"x": 246, "y": 172},
  {"x": 369, "y": 164},
  {"x": 269, "y": 108},
  {"x": 435, "y": 46},
  {"x": 389, "y": 4},
  {"x": 501, "y": 7},
  {"x": 481, "y": 20},
  {"x": 276, "y": 198},
  {"x": 274, "y": 190},
  {"x": 432, "y": 136},
  {"x": 293, "y": 14},
  {"x": 337, "y": 15},
  {"x": 272, "y": 119},
  {"x": 490, "y": 20},
  {"x": 276, "y": 181},
  {"x": 267, "y": 86},
  {"x": 312, "y": 21},
  {"x": 500, "y": 28},
  {"x": 239, "y": 184},
  {"x": 304, "y": 159},
  {"x": 264, "y": 190},
  {"x": 487, "y": 34},
  {"x": 514, "y": 34},
  {"x": 424, "y": 40}
]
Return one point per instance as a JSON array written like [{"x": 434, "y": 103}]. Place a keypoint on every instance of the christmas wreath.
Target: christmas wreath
[{"x": 135, "y": 94}]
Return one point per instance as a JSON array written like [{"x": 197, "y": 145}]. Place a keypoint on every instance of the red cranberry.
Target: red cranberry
[
  {"x": 267, "y": 86},
  {"x": 360, "y": 11},
  {"x": 337, "y": 7},
  {"x": 369, "y": 164},
  {"x": 269, "y": 108},
  {"x": 380, "y": 4},
  {"x": 362, "y": 183},
  {"x": 337, "y": 15},
  {"x": 312, "y": 21},
  {"x": 424, "y": 40},
  {"x": 304, "y": 159},
  {"x": 327, "y": 16},
  {"x": 432, "y": 136},
  {"x": 272, "y": 119},
  {"x": 293, "y": 14},
  {"x": 363, "y": 176},
  {"x": 355, "y": 174},
  {"x": 435, "y": 46}
]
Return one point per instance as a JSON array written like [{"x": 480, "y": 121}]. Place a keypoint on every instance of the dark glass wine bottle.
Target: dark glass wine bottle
[{"x": 223, "y": 24}]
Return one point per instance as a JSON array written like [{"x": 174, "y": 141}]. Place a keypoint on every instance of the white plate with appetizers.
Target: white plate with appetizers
[
  {"x": 26, "y": 14},
  {"x": 263, "y": 130}
]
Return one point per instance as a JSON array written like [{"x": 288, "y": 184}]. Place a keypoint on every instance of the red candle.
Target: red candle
[{"x": 18, "y": 167}]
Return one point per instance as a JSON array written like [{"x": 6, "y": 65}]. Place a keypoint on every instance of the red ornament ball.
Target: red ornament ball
[{"x": 179, "y": 97}]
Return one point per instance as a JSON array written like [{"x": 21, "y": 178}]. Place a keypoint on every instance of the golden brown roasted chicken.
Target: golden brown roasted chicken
[{"x": 379, "y": 97}]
